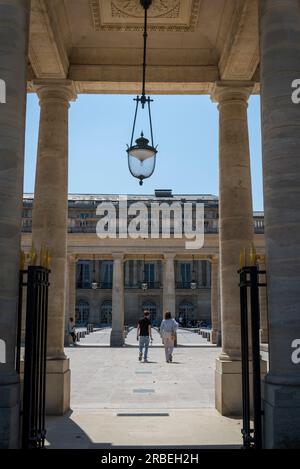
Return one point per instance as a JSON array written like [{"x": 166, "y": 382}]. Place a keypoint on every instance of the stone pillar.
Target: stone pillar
[
  {"x": 117, "y": 333},
  {"x": 280, "y": 66},
  {"x": 49, "y": 227},
  {"x": 236, "y": 233},
  {"x": 169, "y": 302},
  {"x": 72, "y": 286},
  {"x": 70, "y": 296},
  {"x": 214, "y": 299},
  {"x": 263, "y": 303},
  {"x": 219, "y": 327},
  {"x": 14, "y": 27}
]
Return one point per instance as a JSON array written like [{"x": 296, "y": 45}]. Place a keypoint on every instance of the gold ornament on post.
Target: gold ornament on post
[
  {"x": 22, "y": 260},
  {"x": 32, "y": 256},
  {"x": 243, "y": 258},
  {"x": 253, "y": 255}
]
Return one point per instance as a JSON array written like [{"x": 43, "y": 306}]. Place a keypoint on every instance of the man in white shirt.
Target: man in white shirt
[{"x": 168, "y": 330}]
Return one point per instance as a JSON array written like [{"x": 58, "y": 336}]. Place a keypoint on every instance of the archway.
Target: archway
[
  {"x": 186, "y": 313},
  {"x": 106, "y": 313},
  {"x": 151, "y": 306}
]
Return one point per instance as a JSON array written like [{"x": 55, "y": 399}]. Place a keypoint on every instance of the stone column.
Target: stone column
[
  {"x": 219, "y": 326},
  {"x": 72, "y": 264},
  {"x": 117, "y": 333},
  {"x": 214, "y": 299},
  {"x": 49, "y": 227},
  {"x": 70, "y": 295},
  {"x": 169, "y": 302},
  {"x": 14, "y": 27},
  {"x": 280, "y": 66},
  {"x": 263, "y": 303},
  {"x": 236, "y": 233}
]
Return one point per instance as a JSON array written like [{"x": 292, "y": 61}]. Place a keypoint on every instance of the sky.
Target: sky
[{"x": 185, "y": 130}]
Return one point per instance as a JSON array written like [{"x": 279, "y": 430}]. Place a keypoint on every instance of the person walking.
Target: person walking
[
  {"x": 144, "y": 335},
  {"x": 168, "y": 330},
  {"x": 71, "y": 330}
]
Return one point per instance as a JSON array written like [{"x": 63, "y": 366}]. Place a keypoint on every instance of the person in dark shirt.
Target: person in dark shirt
[{"x": 144, "y": 335}]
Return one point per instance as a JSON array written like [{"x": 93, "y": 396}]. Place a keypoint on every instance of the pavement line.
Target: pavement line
[{"x": 143, "y": 414}]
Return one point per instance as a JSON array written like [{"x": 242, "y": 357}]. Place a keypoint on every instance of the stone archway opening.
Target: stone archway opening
[
  {"x": 82, "y": 313},
  {"x": 106, "y": 313}
]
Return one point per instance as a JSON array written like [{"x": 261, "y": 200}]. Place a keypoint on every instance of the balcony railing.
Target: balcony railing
[
  {"x": 187, "y": 286},
  {"x": 88, "y": 286},
  {"x": 151, "y": 285}
]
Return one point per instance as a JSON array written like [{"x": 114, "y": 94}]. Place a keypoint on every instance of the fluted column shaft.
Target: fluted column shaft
[
  {"x": 235, "y": 205},
  {"x": 235, "y": 234},
  {"x": 279, "y": 67},
  {"x": 14, "y": 29},
  {"x": 50, "y": 209}
]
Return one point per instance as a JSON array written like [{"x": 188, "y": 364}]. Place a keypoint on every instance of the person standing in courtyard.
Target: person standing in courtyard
[
  {"x": 144, "y": 335},
  {"x": 71, "y": 330},
  {"x": 168, "y": 330}
]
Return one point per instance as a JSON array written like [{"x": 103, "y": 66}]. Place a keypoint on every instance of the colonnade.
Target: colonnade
[{"x": 280, "y": 65}]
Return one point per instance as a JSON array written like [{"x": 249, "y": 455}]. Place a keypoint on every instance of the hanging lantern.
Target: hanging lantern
[{"x": 141, "y": 155}]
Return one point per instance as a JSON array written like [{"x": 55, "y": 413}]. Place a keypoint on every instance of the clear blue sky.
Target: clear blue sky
[{"x": 185, "y": 129}]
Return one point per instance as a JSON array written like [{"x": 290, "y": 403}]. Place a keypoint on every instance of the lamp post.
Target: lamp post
[
  {"x": 94, "y": 283},
  {"x": 142, "y": 155},
  {"x": 193, "y": 283},
  {"x": 144, "y": 284}
]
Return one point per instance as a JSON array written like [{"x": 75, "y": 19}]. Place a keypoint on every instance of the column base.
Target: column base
[
  {"x": 228, "y": 386},
  {"x": 58, "y": 387},
  {"x": 67, "y": 340},
  {"x": 117, "y": 338},
  {"x": 281, "y": 404},
  {"x": 214, "y": 337},
  {"x": 10, "y": 415}
]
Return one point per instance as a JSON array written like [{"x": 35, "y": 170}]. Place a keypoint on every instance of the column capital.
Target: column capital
[
  {"x": 232, "y": 91},
  {"x": 213, "y": 259},
  {"x": 72, "y": 258},
  {"x": 118, "y": 256},
  {"x": 54, "y": 90},
  {"x": 169, "y": 256}
]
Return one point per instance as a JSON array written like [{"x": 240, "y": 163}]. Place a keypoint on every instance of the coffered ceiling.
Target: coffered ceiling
[{"x": 98, "y": 44}]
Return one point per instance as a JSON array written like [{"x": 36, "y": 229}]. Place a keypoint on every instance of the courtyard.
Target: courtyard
[{"x": 116, "y": 401}]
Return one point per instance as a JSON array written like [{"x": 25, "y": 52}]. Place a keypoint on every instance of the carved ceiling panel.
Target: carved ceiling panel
[{"x": 127, "y": 15}]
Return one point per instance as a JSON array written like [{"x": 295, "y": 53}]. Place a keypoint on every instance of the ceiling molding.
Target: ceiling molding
[
  {"x": 47, "y": 55},
  {"x": 164, "y": 15},
  {"x": 240, "y": 56}
]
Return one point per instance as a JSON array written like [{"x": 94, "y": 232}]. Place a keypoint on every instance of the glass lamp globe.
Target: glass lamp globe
[
  {"x": 141, "y": 158},
  {"x": 193, "y": 285}
]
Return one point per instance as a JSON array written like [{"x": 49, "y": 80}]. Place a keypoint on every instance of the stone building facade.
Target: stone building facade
[{"x": 94, "y": 275}]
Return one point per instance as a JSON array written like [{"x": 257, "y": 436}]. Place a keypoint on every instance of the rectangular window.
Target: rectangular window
[
  {"x": 107, "y": 273},
  {"x": 185, "y": 273},
  {"x": 150, "y": 273},
  {"x": 83, "y": 274}
]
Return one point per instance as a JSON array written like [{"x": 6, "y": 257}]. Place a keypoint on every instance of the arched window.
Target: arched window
[
  {"x": 151, "y": 306},
  {"x": 105, "y": 313},
  {"x": 82, "y": 312},
  {"x": 186, "y": 312}
]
